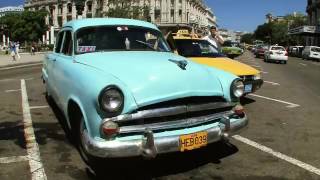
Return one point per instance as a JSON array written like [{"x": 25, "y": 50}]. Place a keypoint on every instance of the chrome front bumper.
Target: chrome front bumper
[{"x": 149, "y": 146}]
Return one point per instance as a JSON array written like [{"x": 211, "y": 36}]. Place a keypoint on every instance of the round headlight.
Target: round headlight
[
  {"x": 237, "y": 88},
  {"x": 111, "y": 100}
]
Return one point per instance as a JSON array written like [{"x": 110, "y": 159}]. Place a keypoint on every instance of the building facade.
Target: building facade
[
  {"x": 164, "y": 13},
  {"x": 311, "y": 31}
]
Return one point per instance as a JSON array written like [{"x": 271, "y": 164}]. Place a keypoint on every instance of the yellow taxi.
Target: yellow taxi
[{"x": 201, "y": 51}]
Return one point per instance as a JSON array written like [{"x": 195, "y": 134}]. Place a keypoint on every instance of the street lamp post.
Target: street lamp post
[{"x": 79, "y": 7}]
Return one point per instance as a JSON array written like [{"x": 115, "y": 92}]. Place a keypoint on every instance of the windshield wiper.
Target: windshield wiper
[{"x": 146, "y": 44}]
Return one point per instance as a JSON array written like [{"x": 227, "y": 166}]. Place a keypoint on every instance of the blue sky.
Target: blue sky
[
  {"x": 239, "y": 15},
  {"x": 246, "y": 15}
]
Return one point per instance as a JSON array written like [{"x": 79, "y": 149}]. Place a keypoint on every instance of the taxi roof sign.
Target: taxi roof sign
[{"x": 184, "y": 33}]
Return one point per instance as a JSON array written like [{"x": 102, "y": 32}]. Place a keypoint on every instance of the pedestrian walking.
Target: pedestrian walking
[
  {"x": 33, "y": 49},
  {"x": 13, "y": 51},
  {"x": 17, "y": 49},
  {"x": 215, "y": 38}
]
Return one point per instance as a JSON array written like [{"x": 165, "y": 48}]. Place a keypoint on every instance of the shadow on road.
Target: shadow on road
[
  {"x": 13, "y": 131},
  {"x": 245, "y": 100}
]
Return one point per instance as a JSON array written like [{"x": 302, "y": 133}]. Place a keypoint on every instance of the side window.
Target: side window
[
  {"x": 59, "y": 42},
  {"x": 67, "y": 44}
]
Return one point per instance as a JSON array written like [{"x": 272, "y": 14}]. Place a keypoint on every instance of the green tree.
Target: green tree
[
  {"x": 277, "y": 32},
  {"x": 25, "y": 26},
  {"x": 264, "y": 32},
  {"x": 247, "y": 38},
  {"x": 128, "y": 9}
]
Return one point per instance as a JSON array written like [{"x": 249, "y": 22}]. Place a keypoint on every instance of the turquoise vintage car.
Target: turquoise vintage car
[{"x": 125, "y": 94}]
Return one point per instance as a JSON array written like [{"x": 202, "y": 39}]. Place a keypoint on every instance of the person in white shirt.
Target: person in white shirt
[
  {"x": 214, "y": 37},
  {"x": 17, "y": 49}
]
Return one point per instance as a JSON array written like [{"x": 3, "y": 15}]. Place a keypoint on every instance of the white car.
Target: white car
[
  {"x": 276, "y": 54},
  {"x": 311, "y": 52}
]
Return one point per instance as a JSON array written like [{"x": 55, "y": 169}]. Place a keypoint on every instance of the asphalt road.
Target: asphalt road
[{"x": 281, "y": 141}]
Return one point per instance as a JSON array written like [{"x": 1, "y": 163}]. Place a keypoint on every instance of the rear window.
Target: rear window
[
  {"x": 314, "y": 49},
  {"x": 278, "y": 48}
]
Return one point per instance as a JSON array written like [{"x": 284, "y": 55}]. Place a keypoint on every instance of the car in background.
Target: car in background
[
  {"x": 295, "y": 51},
  {"x": 311, "y": 52},
  {"x": 125, "y": 94},
  {"x": 231, "y": 49},
  {"x": 259, "y": 52},
  {"x": 202, "y": 52},
  {"x": 276, "y": 54}
]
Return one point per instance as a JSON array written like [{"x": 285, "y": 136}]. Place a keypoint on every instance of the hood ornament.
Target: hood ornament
[{"x": 181, "y": 63}]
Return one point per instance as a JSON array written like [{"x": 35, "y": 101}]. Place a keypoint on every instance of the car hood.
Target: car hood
[
  {"x": 152, "y": 78},
  {"x": 227, "y": 64}
]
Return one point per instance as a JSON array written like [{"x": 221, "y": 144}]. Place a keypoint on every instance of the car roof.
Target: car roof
[{"x": 80, "y": 23}]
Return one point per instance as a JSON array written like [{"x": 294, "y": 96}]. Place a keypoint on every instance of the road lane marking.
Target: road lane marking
[
  {"x": 12, "y": 90},
  {"x": 22, "y": 66},
  {"x": 255, "y": 65},
  {"x": 38, "y": 107},
  {"x": 273, "y": 83},
  {"x": 290, "y": 105},
  {"x": 7, "y": 80},
  {"x": 263, "y": 72},
  {"x": 279, "y": 155},
  {"x": 302, "y": 64},
  {"x": 13, "y": 159},
  {"x": 36, "y": 166}
]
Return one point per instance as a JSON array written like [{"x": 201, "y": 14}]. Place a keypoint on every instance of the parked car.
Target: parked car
[
  {"x": 259, "y": 52},
  {"x": 311, "y": 52},
  {"x": 295, "y": 51},
  {"x": 125, "y": 94},
  {"x": 231, "y": 49},
  {"x": 202, "y": 52},
  {"x": 276, "y": 54}
]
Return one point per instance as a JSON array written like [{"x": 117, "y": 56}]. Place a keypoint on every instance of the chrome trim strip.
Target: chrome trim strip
[
  {"x": 167, "y": 125},
  {"x": 162, "y": 112}
]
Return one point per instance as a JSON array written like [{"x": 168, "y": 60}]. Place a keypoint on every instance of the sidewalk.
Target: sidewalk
[{"x": 6, "y": 60}]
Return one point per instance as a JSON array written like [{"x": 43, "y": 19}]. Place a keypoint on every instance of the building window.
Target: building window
[
  {"x": 60, "y": 21},
  {"x": 172, "y": 12},
  {"x": 180, "y": 12},
  {"x": 157, "y": 15},
  {"x": 69, "y": 8},
  {"x": 60, "y": 9},
  {"x": 89, "y": 6}
]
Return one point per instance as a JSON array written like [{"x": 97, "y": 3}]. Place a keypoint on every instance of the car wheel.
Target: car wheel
[{"x": 284, "y": 62}]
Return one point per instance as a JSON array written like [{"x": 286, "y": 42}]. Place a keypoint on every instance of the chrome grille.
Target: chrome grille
[{"x": 180, "y": 113}]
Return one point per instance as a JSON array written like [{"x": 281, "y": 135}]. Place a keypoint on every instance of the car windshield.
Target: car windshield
[
  {"x": 231, "y": 44},
  {"x": 119, "y": 38},
  {"x": 196, "y": 48},
  {"x": 315, "y": 49}
]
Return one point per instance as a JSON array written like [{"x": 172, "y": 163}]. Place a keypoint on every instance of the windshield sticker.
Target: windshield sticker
[
  {"x": 123, "y": 28},
  {"x": 82, "y": 49}
]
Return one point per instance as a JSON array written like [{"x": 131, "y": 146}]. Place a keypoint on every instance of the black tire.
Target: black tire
[
  {"x": 91, "y": 161},
  {"x": 285, "y": 62}
]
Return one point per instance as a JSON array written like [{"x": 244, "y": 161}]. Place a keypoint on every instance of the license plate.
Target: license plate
[
  {"x": 193, "y": 141},
  {"x": 248, "y": 88}
]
